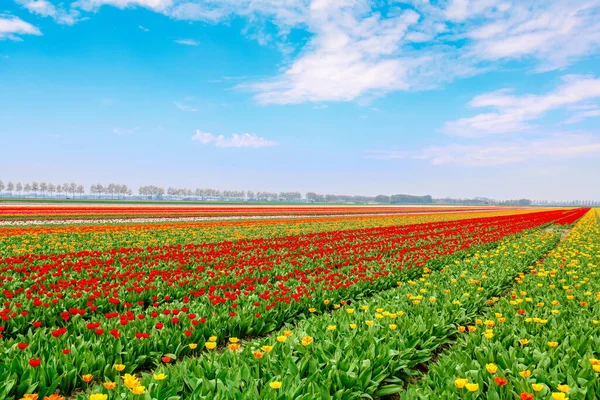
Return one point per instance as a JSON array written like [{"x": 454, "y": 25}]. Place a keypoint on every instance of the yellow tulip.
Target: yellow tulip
[
  {"x": 491, "y": 368},
  {"x": 563, "y": 388},
  {"x": 472, "y": 387},
  {"x": 138, "y": 390},
  {"x": 460, "y": 382},
  {"x": 537, "y": 387}
]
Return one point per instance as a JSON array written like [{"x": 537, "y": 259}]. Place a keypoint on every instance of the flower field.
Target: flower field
[
  {"x": 49, "y": 212},
  {"x": 338, "y": 307}
]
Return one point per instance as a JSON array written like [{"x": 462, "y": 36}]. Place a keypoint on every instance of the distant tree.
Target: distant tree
[
  {"x": 1, "y": 186},
  {"x": 43, "y": 188},
  {"x": 34, "y": 188},
  {"x": 72, "y": 189},
  {"x": 19, "y": 188},
  {"x": 124, "y": 190},
  {"x": 10, "y": 187},
  {"x": 59, "y": 189},
  {"x": 51, "y": 189},
  {"x": 80, "y": 190},
  {"x": 27, "y": 188},
  {"x": 382, "y": 198},
  {"x": 111, "y": 189}
]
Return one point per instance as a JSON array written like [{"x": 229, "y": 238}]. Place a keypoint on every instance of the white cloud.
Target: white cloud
[
  {"x": 186, "y": 42},
  {"x": 351, "y": 55},
  {"x": 555, "y": 33},
  {"x": 184, "y": 107},
  {"x": 513, "y": 113},
  {"x": 155, "y": 5},
  {"x": 45, "y": 8},
  {"x": 197, "y": 12},
  {"x": 10, "y": 27},
  {"x": 236, "y": 140},
  {"x": 558, "y": 146},
  {"x": 582, "y": 112},
  {"x": 143, "y": 28},
  {"x": 460, "y": 10}
]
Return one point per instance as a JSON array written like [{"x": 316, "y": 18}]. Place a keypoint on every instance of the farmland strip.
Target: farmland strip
[
  {"x": 21, "y": 241},
  {"x": 548, "y": 342}
]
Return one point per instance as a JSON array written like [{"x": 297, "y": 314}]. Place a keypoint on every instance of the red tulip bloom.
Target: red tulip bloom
[
  {"x": 22, "y": 346},
  {"x": 500, "y": 381},
  {"x": 166, "y": 359},
  {"x": 66, "y": 351},
  {"x": 526, "y": 396},
  {"x": 34, "y": 362}
]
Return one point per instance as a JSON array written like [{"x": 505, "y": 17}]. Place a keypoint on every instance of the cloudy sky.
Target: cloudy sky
[{"x": 460, "y": 98}]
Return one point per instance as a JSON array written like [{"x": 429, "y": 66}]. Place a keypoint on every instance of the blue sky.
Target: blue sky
[{"x": 460, "y": 98}]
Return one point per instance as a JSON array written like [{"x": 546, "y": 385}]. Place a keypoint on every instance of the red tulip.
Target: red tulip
[
  {"x": 500, "y": 381},
  {"x": 34, "y": 362}
]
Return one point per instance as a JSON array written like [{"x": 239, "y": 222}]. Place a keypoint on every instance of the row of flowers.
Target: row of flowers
[
  {"x": 30, "y": 212},
  {"x": 547, "y": 345},
  {"x": 76, "y": 238}
]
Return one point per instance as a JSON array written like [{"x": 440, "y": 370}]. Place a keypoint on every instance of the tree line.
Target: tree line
[
  {"x": 42, "y": 188},
  {"x": 152, "y": 192}
]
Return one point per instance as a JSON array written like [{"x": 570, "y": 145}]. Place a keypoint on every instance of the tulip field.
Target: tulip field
[
  {"x": 480, "y": 303},
  {"x": 52, "y": 212}
]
